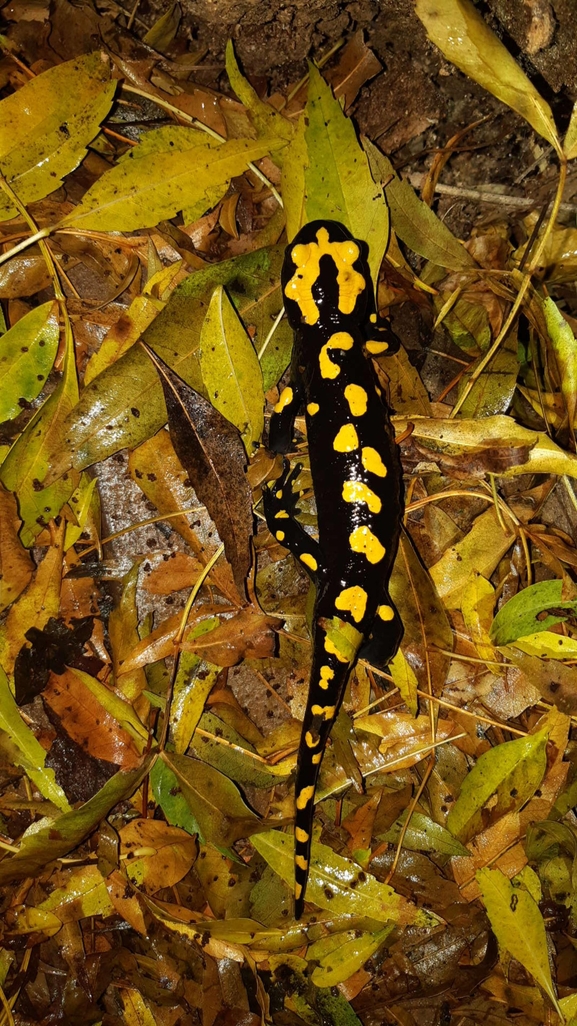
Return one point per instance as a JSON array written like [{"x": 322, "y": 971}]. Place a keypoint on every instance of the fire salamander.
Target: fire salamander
[{"x": 356, "y": 477}]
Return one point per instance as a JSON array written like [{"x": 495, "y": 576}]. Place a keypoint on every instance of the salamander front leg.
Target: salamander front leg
[
  {"x": 283, "y": 418},
  {"x": 280, "y": 508}
]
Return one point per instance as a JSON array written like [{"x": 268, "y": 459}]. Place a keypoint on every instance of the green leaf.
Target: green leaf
[
  {"x": 47, "y": 125},
  {"x": 508, "y": 774},
  {"x": 413, "y": 221},
  {"x": 522, "y": 615},
  {"x": 237, "y": 760},
  {"x": 230, "y": 369},
  {"x": 27, "y": 352},
  {"x": 162, "y": 33},
  {"x": 169, "y": 796},
  {"x": 493, "y": 391},
  {"x": 29, "y": 459},
  {"x": 423, "y": 834},
  {"x": 342, "y": 954},
  {"x": 50, "y": 838},
  {"x": 564, "y": 347},
  {"x": 296, "y": 162},
  {"x": 171, "y": 169},
  {"x": 30, "y": 753},
  {"x": 214, "y": 801},
  {"x": 404, "y": 678},
  {"x": 266, "y": 119},
  {"x": 570, "y": 141},
  {"x": 459, "y": 31},
  {"x": 339, "y": 884},
  {"x": 338, "y": 181},
  {"x": 124, "y": 405},
  {"x": 518, "y": 926}
]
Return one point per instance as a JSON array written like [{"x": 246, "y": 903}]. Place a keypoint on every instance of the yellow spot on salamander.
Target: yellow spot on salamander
[
  {"x": 301, "y": 835},
  {"x": 332, "y": 649},
  {"x": 298, "y": 891},
  {"x": 326, "y": 711},
  {"x": 312, "y": 408},
  {"x": 307, "y": 257},
  {"x": 374, "y": 348},
  {"x": 372, "y": 461},
  {"x": 373, "y": 318},
  {"x": 354, "y": 600},
  {"x": 356, "y": 491},
  {"x": 386, "y": 612},
  {"x": 301, "y": 863},
  {"x": 278, "y": 495},
  {"x": 285, "y": 399},
  {"x": 357, "y": 399},
  {"x": 279, "y": 535},
  {"x": 310, "y": 741},
  {"x": 282, "y": 515},
  {"x": 309, "y": 560},
  {"x": 305, "y": 796},
  {"x": 316, "y": 758},
  {"x": 327, "y": 675},
  {"x": 346, "y": 440},
  {"x": 363, "y": 540},
  {"x": 340, "y": 340}
]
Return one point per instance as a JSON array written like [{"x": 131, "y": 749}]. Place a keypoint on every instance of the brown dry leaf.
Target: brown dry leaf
[
  {"x": 88, "y": 723},
  {"x": 157, "y": 470},
  {"x": 156, "y": 855},
  {"x": 356, "y": 65},
  {"x": 177, "y": 571}
]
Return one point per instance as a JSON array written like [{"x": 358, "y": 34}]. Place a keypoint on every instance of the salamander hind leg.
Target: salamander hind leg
[
  {"x": 280, "y": 508},
  {"x": 384, "y": 637}
]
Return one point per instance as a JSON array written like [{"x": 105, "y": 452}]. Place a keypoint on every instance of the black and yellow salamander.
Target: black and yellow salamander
[{"x": 356, "y": 476}]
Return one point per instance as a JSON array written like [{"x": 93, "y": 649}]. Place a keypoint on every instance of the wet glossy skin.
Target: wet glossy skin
[{"x": 357, "y": 483}]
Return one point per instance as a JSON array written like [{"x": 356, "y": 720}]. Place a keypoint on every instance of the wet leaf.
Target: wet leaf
[
  {"x": 339, "y": 884},
  {"x": 413, "y": 221},
  {"x": 423, "y": 834},
  {"x": 527, "y": 612},
  {"x": 477, "y": 605},
  {"x": 162, "y": 33},
  {"x": 236, "y": 760},
  {"x": 518, "y": 925},
  {"x": 36, "y": 605},
  {"x": 91, "y": 716},
  {"x": 215, "y": 803},
  {"x": 158, "y": 855},
  {"x": 171, "y": 169},
  {"x": 30, "y": 753},
  {"x": 27, "y": 352},
  {"x": 54, "y": 837},
  {"x": 338, "y": 182},
  {"x": 479, "y": 552},
  {"x": 48, "y": 123},
  {"x": 268, "y": 122},
  {"x": 405, "y": 680},
  {"x": 124, "y": 405},
  {"x": 29, "y": 459},
  {"x": 459, "y": 31},
  {"x": 508, "y": 774},
  {"x": 230, "y": 369},
  {"x": 556, "y": 683},
  {"x": 564, "y": 345},
  {"x": 210, "y": 450},
  {"x": 342, "y": 954},
  {"x": 123, "y": 634},
  {"x": 16, "y": 566}
]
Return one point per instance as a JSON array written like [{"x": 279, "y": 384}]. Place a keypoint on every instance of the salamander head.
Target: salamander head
[{"x": 325, "y": 279}]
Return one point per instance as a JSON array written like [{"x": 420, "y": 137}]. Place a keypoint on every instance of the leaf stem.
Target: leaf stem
[{"x": 43, "y": 233}]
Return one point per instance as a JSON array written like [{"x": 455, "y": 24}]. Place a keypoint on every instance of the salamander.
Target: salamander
[{"x": 356, "y": 477}]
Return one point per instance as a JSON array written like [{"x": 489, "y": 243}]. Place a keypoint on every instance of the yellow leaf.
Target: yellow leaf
[
  {"x": 518, "y": 926},
  {"x": 406, "y": 681},
  {"x": 171, "y": 169},
  {"x": 478, "y": 552},
  {"x": 338, "y": 182},
  {"x": 564, "y": 347},
  {"x": 230, "y": 369},
  {"x": 547, "y": 645},
  {"x": 477, "y": 605},
  {"x": 47, "y": 125},
  {"x": 459, "y": 31},
  {"x": 36, "y": 605}
]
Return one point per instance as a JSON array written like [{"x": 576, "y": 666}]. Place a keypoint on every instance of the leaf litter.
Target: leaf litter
[{"x": 149, "y": 709}]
